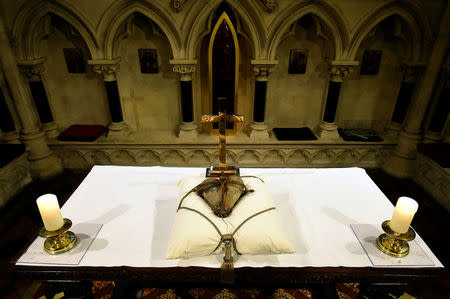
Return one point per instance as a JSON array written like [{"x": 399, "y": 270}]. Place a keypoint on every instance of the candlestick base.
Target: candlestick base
[
  {"x": 60, "y": 240},
  {"x": 393, "y": 243}
]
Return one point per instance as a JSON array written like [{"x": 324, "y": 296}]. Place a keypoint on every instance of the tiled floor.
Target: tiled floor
[{"x": 20, "y": 221}]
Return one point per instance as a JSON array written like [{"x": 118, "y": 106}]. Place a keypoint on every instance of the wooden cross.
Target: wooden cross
[{"x": 222, "y": 119}]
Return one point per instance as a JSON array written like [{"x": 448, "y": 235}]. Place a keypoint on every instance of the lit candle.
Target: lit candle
[
  {"x": 403, "y": 214},
  {"x": 50, "y": 212}
]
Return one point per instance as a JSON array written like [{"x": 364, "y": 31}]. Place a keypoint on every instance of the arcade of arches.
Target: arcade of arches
[{"x": 140, "y": 68}]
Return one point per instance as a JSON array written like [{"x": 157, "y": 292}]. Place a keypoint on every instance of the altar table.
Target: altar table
[{"x": 137, "y": 205}]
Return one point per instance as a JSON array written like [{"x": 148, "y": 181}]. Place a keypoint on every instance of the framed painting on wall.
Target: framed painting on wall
[
  {"x": 74, "y": 60},
  {"x": 371, "y": 62},
  {"x": 297, "y": 61},
  {"x": 148, "y": 60}
]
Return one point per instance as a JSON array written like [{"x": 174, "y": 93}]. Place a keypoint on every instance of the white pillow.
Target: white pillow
[{"x": 193, "y": 235}]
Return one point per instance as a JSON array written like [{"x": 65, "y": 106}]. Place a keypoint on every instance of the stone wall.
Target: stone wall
[
  {"x": 334, "y": 33},
  {"x": 73, "y": 98}
]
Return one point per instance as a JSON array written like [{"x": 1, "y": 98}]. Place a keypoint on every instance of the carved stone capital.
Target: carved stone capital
[
  {"x": 338, "y": 73},
  {"x": 262, "y": 68},
  {"x": 340, "y": 69},
  {"x": 269, "y": 5},
  {"x": 177, "y": 5},
  {"x": 32, "y": 69},
  {"x": 108, "y": 72},
  {"x": 411, "y": 71},
  {"x": 185, "y": 68},
  {"x": 107, "y": 69}
]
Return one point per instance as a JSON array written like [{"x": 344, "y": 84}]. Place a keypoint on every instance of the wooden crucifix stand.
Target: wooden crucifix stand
[{"x": 223, "y": 170}]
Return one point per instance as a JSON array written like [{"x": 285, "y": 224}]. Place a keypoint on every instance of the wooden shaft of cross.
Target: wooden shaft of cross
[{"x": 222, "y": 119}]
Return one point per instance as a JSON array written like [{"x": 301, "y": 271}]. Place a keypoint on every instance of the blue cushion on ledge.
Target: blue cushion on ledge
[{"x": 293, "y": 134}]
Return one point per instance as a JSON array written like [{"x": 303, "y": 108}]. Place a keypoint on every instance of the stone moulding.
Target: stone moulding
[
  {"x": 85, "y": 156},
  {"x": 177, "y": 5},
  {"x": 269, "y": 5},
  {"x": 14, "y": 176},
  {"x": 434, "y": 179},
  {"x": 262, "y": 68}
]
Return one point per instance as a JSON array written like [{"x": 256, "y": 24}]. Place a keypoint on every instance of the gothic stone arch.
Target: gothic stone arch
[
  {"x": 122, "y": 10},
  {"x": 419, "y": 30},
  {"x": 249, "y": 16},
  {"x": 327, "y": 14},
  {"x": 29, "y": 27}
]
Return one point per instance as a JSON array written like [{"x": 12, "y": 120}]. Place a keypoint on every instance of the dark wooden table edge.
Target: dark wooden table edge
[{"x": 245, "y": 276}]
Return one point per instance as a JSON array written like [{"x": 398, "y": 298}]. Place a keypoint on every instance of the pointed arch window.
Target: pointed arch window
[{"x": 223, "y": 65}]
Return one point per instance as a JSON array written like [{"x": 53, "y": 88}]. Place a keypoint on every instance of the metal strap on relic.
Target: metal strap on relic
[
  {"x": 226, "y": 270},
  {"x": 218, "y": 230},
  {"x": 198, "y": 186}
]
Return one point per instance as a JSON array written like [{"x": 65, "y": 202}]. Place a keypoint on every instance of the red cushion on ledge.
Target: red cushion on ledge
[{"x": 82, "y": 133}]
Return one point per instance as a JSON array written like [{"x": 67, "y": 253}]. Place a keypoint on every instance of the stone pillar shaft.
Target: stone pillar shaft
[
  {"x": 403, "y": 99},
  {"x": 338, "y": 71},
  {"x": 440, "y": 113},
  {"x": 422, "y": 96},
  {"x": 23, "y": 103},
  {"x": 185, "y": 70},
  {"x": 6, "y": 120},
  {"x": 42, "y": 161},
  {"x": 259, "y": 108},
  {"x": 107, "y": 69},
  {"x": 439, "y": 108},
  {"x": 334, "y": 89},
  {"x": 41, "y": 101},
  {"x": 401, "y": 163},
  {"x": 410, "y": 73},
  {"x": 187, "y": 104},
  {"x": 112, "y": 93},
  {"x": 32, "y": 71},
  {"x": 262, "y": 68}
]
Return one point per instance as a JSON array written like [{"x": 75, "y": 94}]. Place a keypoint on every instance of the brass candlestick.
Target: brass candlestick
[
  {"x": 393, "y": 243},
  {"x": 60, "y": 240}
]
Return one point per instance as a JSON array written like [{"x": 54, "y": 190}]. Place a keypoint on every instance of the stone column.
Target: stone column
[
  {"x": 32, "y": 71},
  {"x": 7, "y": 126},
  {"x": 186, "y": 69},
  {"x": 108, "y": 69},
  {"x": 401, "y": 163},
  {"x": 258, "y": 129},
  {"x": 410, "y": 75},
  {"x": 439, "y": 116},
  {"x": 338, "y": 71},
  {"x": 43, "y": 163}
]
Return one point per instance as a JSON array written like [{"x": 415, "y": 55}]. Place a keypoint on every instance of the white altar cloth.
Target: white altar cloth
[{"x": 136, "y": 206}]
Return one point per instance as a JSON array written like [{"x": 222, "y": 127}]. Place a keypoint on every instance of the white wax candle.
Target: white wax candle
[
  {"x": 50, "y": 212},
  {"x": 403, "y": 214}
]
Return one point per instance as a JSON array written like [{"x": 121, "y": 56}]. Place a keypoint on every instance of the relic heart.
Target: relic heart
[{"x": 222, "y": 194}]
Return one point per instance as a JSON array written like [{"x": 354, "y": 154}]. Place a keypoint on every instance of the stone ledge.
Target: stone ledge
[
  {"x": 84, "y": 156},
  {"x": 434, "y": 179},
  {"x": 13, "y": 177},
  {"x": 166, "y": 138}
]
